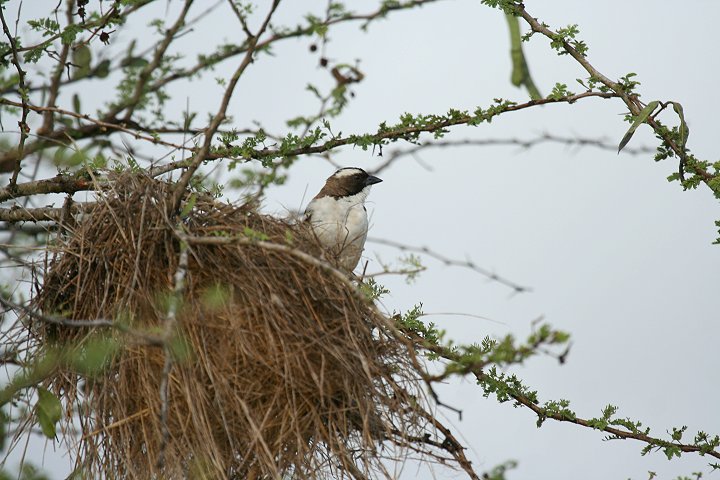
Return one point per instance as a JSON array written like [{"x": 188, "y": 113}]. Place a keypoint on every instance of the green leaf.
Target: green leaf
[
  {"x": 188, "y": 206},
  {"x": 96, "y": 355},
  {"x": 640, "y": 119},
  {"x": 180, "y": 349},
  {"x": 103, "y": 69},
  {"x": 136, "y": 62},
  {"x": 684, "y": 130},
  {"x": 216, "y": 297},
  {"x": 49, "y": 411},
  {"x": 76, "y": 102},
  {"x": 81, "y": 58}
]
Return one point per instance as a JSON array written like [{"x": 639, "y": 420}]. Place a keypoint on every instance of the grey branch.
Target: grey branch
[{"x": 452, "y": 262}]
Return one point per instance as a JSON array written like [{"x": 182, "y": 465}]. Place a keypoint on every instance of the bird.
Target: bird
[{"x": 338, "y": 217}]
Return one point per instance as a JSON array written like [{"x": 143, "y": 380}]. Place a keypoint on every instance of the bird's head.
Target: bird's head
[{"x": 347, "y": 182}]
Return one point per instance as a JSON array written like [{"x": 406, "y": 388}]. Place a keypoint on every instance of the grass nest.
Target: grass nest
[{"x": 263, "y": 363}]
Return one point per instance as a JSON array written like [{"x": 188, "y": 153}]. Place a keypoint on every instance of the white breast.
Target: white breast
[{"x": 341, "y": 226}]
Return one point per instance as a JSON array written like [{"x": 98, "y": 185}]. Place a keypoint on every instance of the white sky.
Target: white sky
[{"x": 614, "y": 253}]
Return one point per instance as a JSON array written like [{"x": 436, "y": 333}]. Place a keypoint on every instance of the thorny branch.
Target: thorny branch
[
  {"x": 410, "y": 132},
  {"x": 110, "y": 124}
]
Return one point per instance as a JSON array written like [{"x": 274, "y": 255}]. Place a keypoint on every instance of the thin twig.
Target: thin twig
[
  {"x": 24, "y": 128},
  {"x": 241, "y": 18},
  {"x": 102, "y": 125},
  {"x": 48, "y": 117},
  {"x": 156, "y": 61},
  {"x": 528, "y": 143},
  {"x": 146, "y": 338},
  {"x": 168, "y": 334}
]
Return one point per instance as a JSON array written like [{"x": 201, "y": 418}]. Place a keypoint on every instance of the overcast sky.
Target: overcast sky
[{"x": 614, "y": 253}]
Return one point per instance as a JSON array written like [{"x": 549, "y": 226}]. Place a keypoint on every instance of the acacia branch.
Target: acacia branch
[
  {"x": 385, "y": 135},
  {"x": 476, "y": 368}
]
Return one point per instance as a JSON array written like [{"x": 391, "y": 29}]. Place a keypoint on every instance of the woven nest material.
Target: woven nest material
[{"x": 280, "y": 368}]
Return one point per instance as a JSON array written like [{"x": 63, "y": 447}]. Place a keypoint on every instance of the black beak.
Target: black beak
[{"x": 372, "y": 180}]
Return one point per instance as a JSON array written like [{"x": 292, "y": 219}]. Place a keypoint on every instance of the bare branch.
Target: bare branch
[
  {"x": 146, "y": 338},
  {"x": 452, "y": 262},
  {"x": 600, "y": 143},
  {"x": 42, "y": 214},
  {"x": 58, "y": 184},
  {"x": 101, "y": 126}
]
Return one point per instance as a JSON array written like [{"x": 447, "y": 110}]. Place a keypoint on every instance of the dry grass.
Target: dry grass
[{"x": 281, "y": 370}]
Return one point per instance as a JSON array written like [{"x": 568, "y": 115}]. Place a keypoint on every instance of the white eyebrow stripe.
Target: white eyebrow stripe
[{"x": 346, "y": 172}]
